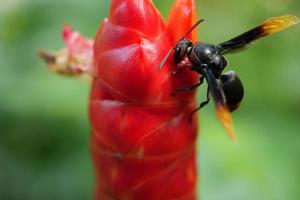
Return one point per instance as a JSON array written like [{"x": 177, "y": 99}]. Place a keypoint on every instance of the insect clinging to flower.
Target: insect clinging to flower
[{"x": 226, "y": 89}]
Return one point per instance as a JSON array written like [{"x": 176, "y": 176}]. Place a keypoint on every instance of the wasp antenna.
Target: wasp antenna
[
  {"x": 165, "y": 59},
  {"x": 193, "y": 27},
  {"x": 188, "y": 32}
]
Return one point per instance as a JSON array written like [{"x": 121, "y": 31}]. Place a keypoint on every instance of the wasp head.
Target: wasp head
[{"x": 181, "y": 49}]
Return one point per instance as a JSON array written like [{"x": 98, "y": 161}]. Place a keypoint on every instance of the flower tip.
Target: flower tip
[
  {"x": 67, "y": 31},
  {"x": 47, "y": 56},
  {"x": 182, "y": 17}
]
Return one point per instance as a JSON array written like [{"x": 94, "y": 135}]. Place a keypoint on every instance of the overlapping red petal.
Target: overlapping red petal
[
  {"x": 181, "y": 19},
  {"x": 143, "y": 142}
]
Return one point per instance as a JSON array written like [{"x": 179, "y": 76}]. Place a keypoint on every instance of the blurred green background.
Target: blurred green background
[{"x": 44, "y": 130}]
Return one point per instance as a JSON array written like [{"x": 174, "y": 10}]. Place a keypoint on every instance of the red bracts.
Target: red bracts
[{"x": 143, "y": 141}]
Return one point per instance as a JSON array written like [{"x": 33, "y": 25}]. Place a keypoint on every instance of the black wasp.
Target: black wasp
[{"x": 226, "y": 89}]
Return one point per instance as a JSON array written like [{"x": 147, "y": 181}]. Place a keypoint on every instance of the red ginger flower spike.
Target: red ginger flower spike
[{"x": 143, "y": 143}]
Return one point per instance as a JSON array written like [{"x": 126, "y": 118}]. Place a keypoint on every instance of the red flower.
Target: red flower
[
  {"x": 143, "y": 140},
  {"x": 143, "y": 143}
]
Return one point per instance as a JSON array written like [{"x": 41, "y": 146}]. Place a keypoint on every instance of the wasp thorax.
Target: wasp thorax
[
  {"x": 181, "y": 49},
  {"x": 204, "y": 54}
]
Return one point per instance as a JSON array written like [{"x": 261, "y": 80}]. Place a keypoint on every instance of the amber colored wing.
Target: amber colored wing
[
  {"x": 218, "y": 96},
  {"x": 268, "y": 27}
]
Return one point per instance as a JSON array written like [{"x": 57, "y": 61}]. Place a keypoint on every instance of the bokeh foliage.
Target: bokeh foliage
[{"x": 44, "y": 130}]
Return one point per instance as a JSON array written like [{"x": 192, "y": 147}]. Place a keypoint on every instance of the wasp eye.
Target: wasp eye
[
  {"x": 178, "y": 55},
  {"x": 177, "y": 50}
]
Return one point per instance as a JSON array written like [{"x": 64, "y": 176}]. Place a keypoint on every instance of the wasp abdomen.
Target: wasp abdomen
[{"x": 233, "y": 89}]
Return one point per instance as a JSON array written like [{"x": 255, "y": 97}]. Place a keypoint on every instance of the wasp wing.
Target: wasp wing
[
  {"x": 218, "y": 96},
  {"x": 268, "y": 27}
]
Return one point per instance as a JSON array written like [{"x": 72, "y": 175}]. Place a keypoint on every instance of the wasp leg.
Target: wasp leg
[
  {"x": 204, "y": 103},
  {"x": 189, "y": 88}
]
